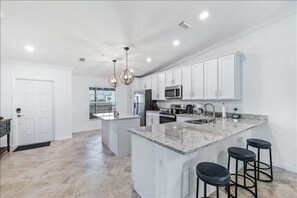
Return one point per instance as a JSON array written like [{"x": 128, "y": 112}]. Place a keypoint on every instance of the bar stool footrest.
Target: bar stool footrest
[
  {"x": 243, "y": 186},
  {"x": 262, "y": 172}
]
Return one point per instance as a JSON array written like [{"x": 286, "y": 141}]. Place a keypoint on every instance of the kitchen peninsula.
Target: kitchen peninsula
[
  {"x": 164, "y": 156},
  {"x": 114, "y": 132}
]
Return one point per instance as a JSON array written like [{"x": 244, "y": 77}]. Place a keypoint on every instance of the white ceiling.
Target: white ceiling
[{"x": 62, "y": 32}]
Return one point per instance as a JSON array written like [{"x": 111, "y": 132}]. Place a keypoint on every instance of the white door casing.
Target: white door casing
[{"x": 35, "y": 98}]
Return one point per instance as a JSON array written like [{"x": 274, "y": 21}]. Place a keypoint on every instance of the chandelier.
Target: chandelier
[
  {"x": 113, "y": 81},
  {"x": 127, "y": 76}
]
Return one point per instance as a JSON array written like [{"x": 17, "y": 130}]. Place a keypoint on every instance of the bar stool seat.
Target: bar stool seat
[
  {"x": 257, "y": 143},
  {"x": 241, "y": 154},
  {"x": 212, "y": 174}
]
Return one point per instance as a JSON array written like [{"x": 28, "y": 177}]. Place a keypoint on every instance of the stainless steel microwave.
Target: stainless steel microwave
[{"x": 174, "y": 92}]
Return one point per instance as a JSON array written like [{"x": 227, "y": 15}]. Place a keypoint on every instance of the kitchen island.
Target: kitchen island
[
  {"x": 164, "y": 156},
  {"x": 114, "y": 132}
]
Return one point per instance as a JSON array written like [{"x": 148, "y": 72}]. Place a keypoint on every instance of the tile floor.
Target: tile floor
[{"x": 83, "y": 167}]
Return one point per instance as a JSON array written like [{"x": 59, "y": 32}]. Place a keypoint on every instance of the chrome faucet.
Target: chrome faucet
[{"x": 213, "y": 112}]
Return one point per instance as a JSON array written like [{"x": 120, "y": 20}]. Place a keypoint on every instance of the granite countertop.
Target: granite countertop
[
  {"x": 186, "y": 138},
  {"x": 121, "y": 117}
]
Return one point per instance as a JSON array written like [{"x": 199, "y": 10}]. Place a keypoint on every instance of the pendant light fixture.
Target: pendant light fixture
[
  {"x": 114, "y": 81},
  {"x": 127, "y": 76}
]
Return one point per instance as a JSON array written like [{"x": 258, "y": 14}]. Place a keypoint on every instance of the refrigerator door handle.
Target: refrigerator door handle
[{"x": 137, "y": 105}]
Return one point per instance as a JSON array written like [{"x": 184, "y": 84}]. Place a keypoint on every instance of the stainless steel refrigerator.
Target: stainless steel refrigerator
[{"x": 142, "y": 102}]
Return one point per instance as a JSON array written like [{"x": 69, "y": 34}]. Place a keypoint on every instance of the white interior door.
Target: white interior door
[{"x": 34, "y": 99}]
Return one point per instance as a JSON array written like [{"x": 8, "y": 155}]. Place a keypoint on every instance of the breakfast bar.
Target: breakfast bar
[{"x": 164, "y": 156}]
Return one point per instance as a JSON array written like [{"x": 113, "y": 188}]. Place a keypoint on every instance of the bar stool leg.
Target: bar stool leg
[
  {"x": 197, "y": 188},
  {"x": 229, "y": 162},
  {"x": 256, "y": 189},
  {"x": 258, "y": 163},
  {"x": 244, "y": 172},
  {"x": 218, "y": 192},
  {"x": 205, "y": 190},
  {"x": 236, "y": 177},
  {"x": 271, "y": 172},
  {"x": 228, "y": 191}
]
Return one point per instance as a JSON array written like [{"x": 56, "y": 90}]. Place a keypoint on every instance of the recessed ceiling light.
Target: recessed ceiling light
[
  {"x": 29, "y": 48},
  {"x": 148, "y": 60},
  {"x": 175, "y": 42},
  {"x": 132, "y": 70},
  {"x": 204, "y": 15}
]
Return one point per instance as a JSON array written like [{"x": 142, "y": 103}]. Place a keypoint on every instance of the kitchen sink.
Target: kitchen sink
[{"x": 199, "y": 121}]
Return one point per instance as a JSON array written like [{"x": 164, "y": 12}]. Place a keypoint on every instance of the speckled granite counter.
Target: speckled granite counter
[
  {"x": 121, "y": 116},
  {"x": 185, "y": 138}
]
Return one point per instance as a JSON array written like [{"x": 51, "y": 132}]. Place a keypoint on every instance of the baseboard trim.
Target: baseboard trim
[
  {"x": 86, "y": 130},
  {"x": 289, "y": 168}
]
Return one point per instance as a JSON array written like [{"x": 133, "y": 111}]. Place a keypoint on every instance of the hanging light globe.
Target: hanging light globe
[
  {"x": 113, "y": 80},
  {"x": 127, "y": 76}
]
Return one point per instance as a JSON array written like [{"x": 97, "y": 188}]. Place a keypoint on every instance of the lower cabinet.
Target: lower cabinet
[{"x": 152, "y": 118}]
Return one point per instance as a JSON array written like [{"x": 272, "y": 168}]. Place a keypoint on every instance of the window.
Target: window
[{"x": 101, "y": 101}]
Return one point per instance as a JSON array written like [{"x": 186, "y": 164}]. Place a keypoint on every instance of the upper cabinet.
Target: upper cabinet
[
  {"x": 173, "y": 77},
  {"x": 229, "y": 77},
  {"x": 222, "y": 78},
  {"x": 158, "y": 86},
  {"x": 192, "y": 81},
  {"x": 211, "y": 79},
  {"x": 146, "y": 82}
]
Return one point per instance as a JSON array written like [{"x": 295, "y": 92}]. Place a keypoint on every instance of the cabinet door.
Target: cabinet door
[
  {"x": 142, "y": 83},
  {"x": 155, "y": 93},
  {"x": 226, "y": 77},
  {"x": 210, "y": 79},
  {"x": 149, "y": 120},
  {"x": 148, "y": 82},
  {"x": 169, "y": 78},
  {"x": 177, "y": 76},
  {"x": 161, "y": 86},
  {"x": 197, "y": 81},
  {"x": 186, "y": 82},
  {"x": 156, "y": 119}
]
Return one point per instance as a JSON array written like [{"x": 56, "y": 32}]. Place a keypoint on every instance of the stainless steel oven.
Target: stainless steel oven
[
  {"x": 164, "y": 118},
  {"x": 173, "y": 92}
]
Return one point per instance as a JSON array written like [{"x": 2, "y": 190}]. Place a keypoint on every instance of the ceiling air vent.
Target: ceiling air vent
[
  {"x": 184, "y": 25},
  {"x": 82, "y": 59}
]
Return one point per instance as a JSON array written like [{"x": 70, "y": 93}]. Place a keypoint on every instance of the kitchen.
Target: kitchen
[{"x": 148, "y": 99}]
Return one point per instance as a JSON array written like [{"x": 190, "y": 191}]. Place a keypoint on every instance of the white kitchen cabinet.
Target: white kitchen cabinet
[
  {"x": 222, "y": 78},
  {"x": 146, "y": 82},
  {"x": 197, "y": 81},
  {"x": 152, "y": 118},
  {"x": 173, "y": 77},
  {"x": 211, "y": 79},
  {"x": 158, "y": 86},
  {"x": 155, "y": 87},
  {"x": 187, "y": 82},
  {"x": 161, "y": 86},
  {"x": 229, "y": 77},
  {"x": 192, "y": 81}
]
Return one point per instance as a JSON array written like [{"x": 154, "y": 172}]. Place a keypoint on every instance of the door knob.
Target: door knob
[{"x": 20, "y": 115}]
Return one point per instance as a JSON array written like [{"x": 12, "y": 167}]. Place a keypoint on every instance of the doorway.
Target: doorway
[{"x": 34, "y": 111}]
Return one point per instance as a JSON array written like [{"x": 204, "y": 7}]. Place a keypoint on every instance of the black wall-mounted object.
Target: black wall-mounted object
[{"x": 18, "y": 110}]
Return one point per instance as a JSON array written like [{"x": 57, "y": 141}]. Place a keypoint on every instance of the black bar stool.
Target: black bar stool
[
  {"x": 212, "y": 174},
  {"x": 261, "y": 144},
  {"x": 244, "y": 155}
]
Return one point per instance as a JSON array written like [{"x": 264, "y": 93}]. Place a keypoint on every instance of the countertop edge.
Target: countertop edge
[{"x": 196, "y": 149}]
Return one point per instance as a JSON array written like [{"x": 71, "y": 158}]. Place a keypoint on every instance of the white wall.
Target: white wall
[
  {"x": 62, "y": 79},
  {"x": 269, "y": 84},
  {"x": 80, "y": 101}
]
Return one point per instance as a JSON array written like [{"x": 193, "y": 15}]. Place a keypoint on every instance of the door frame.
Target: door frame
[{"x": 15, "y": 140}]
